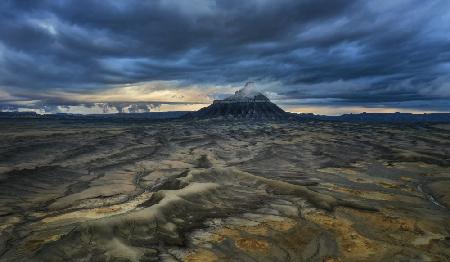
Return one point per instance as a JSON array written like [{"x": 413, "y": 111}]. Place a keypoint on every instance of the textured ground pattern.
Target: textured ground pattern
[{"x": 224, "y": 191}]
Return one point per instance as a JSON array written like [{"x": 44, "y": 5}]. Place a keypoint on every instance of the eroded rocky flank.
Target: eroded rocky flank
[
  {"x": 215, "y": 190},
  {"x": 244, "y": 104}
]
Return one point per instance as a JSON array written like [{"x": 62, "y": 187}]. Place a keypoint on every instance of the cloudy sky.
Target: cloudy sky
[{"x": 321, "y": 56}]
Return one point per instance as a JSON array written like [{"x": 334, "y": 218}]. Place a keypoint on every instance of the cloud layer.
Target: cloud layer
[{"x": 302, "y": 52}]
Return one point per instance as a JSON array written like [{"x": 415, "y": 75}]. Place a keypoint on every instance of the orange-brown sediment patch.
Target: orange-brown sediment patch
[
  {"x": 201, "y": 255},
  {"x": 252, "y": 245},
  {"x": 353, "y": 245}
]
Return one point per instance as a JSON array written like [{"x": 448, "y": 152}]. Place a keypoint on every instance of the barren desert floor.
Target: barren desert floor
[{"x": 224, "y": 191}]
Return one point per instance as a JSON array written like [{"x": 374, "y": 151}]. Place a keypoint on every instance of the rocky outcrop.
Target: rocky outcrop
[{"x": 242, "y": 105}]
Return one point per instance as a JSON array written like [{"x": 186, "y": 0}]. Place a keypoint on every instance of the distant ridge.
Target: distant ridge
[
  {"x": 208, "y": 111},
  {"x": 382, "y": 117},
  {"x": 95, "y": 117}
]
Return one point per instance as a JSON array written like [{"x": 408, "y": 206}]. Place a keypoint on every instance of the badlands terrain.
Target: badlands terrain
[{"x": 212, "y": 190}]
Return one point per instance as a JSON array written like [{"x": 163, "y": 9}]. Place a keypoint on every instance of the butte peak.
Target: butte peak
[
  {"x": 247, "y": 103},
  {"x": 247, "y": 94}
]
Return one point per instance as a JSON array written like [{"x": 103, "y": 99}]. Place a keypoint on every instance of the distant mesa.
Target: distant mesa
[{"x": 246, "y": 103}]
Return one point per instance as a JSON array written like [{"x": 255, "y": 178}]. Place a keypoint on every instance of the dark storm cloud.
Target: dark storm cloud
[{"x": 343, "y": 50}]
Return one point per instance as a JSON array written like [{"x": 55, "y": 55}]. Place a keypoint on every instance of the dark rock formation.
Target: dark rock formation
[{"x": 242, "y": 105}]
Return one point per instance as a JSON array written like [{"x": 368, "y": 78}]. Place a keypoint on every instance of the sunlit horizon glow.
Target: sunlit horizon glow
[
  {"x": 99, "y": 108},
  {"x": 166, "y": 96}
]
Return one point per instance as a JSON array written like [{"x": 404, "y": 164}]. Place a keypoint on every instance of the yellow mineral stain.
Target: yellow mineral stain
[
  {"x": 252, "y": 245},
  {"x": 353, "y": 245},
  {"x": 201, "y": 255},
  {"x": 386, "y": 223},
  {"x": 362, "y": 193},
  {"x": 35, "y": 244},
  {"x": 389, "y": 185},
  {"x": 282, "y": 225},
  {"x": 106, "y": 210},
  {"x": 223, "y": 233}
]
